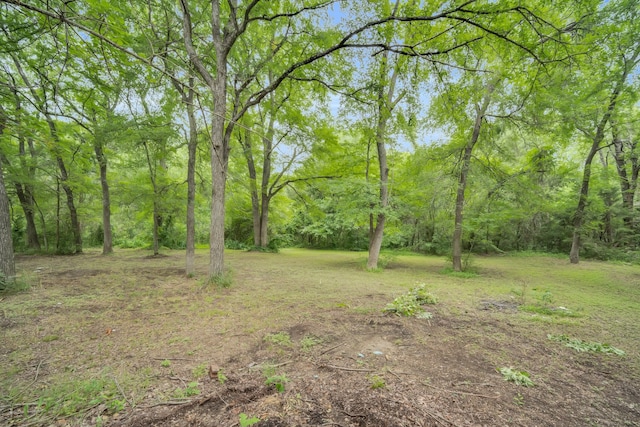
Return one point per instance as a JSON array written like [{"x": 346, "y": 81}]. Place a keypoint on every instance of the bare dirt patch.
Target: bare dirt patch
[{"x": 140, "y": 323}]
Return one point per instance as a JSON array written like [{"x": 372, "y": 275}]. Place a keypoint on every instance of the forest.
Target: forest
[
  {"x": 441, "y": 127},
  {"x": 319, "y": 212}
]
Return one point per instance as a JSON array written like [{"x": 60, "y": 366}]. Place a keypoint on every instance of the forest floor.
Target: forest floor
[{"x": 300, "y": 339}]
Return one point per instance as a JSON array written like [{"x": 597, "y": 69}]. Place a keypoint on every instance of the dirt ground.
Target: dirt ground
[{"x": 346, "y": 364}]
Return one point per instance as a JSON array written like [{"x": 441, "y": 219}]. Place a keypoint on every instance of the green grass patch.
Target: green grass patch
[
  {"x": 70, "y": 398},
  {"x": 309, "y": 342},
  {"x": 584, "y": 346},
  {"x": 548, "y": 311},
  {"x": 467, "y": 274},
  {"x": 517, "y": 377},
  {"x": 280, "y": 338}
]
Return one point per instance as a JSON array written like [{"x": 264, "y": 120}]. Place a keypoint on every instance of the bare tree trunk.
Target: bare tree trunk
[
  {"x": 481, "y": 110},
  {"x": 578, "y": 217},
  {"x": 26, "y": 202},
  {"x": 264, "y": 220},
  {"x": 157, "y": 218},
  {"x": 75, "y": 223},
  {"x": 7, "y": 263},
  {"x": 376, "y": 242},
  {"x": 191, "y": 183},
  {"x": 219, "y": 163},
  {"x": 247, "y": 149},
  {"x": 265, "y": 196},
  {"x": 156, "y": 226},
  {"x": 107, "y": 240}
]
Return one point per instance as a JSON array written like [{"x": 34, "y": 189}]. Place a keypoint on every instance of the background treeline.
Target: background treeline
[{"x": 489, "y": 127}]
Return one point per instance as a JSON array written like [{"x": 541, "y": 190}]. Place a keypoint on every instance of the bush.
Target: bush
[{"x": 410, "y": 304}]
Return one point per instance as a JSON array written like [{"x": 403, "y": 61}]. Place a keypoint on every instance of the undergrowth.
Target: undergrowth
[
  {"x": 584, "y": 346},
  {"x": 410, "y": 304}
]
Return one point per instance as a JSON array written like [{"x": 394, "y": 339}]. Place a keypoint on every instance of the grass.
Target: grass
[{"x": 156, "y": 314}]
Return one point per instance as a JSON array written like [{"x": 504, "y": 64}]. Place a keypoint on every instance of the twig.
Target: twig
[
  {"x": 439, "y": 419},
  {"x": 354, "y": 415},
  {"x": 184, "y": 383},
  {"x": 282, "y": 364},
  {"x": 464, "y": 392},
  {"x": 122, "y": 391},
  {"x": 342, "y": 368},
  {"x": 169, "y": 403},
  {"x": 260, "y": 365},
  {"x": 393, "y": 373},
  {"x": 331, "y": 349},
  {"x": 171, "y": 358}
]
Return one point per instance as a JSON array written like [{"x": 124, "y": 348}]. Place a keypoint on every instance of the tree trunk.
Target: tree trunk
[
  {"x": 578, "y": 218},
  {"x": 264, "y": 221},
  {"x": 26, "y": 202},
  {"x": 157, "y": 218},
  {"x": 25, "y": 197},
  {"x": 107, "y": 241},
  {"x": 628, "y": 184},
  {"x": 25, "y": 192},
  {"x": 75, "y": 223},
  {"x": 191, "y": 183},
  {"x": 464, "y": 172},
  {"x": 7, "y": 263},
  {"x": 386, "y": 104},
  {"x": 247, "y": 150},
  {"x": 376, "y": 242},
  {"x": 265, "y": 195},
  {"x": 156, "y": 225},
  {"x": 219, "y": 162}
]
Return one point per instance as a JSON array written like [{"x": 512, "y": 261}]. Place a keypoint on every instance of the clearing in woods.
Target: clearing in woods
[{"x": 300, "y": 339}]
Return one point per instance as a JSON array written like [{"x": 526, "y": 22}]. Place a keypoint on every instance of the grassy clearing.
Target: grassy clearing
[{"x": 107, "y": 325}]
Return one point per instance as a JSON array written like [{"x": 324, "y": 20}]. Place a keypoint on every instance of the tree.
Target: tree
[
  {"x": 7, "y": 263},
  {"x": 620, "y": 59}
]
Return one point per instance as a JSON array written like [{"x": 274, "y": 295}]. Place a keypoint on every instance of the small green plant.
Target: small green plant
[
  {"x": 547, "y": 298},
  {"x": 376, "y": 381},
  {"x": 410, "y": 304},
  {"x": 521, "y": 294},
  {"x": 281, "y": 338},
  {"x": 14, "y": 285},
  {"x": 165, "y": 363},
  {"x": 278, "y": 381},
  {"x": 518, "y": 399},
  {"x": 584, "y": 346},
  {"x": 220, "y": 281},
  {"x": 245, "y": 421},
  {"x": 308, "y": 342},
  {"x": 50, "y": 338},
  {"x": 199, "y": 371},
  {"x": 517, "y": 377},
  {"x": 222, "y": 378},
  {"x": 190, "y": 390},
  {"x": 73, "y": 397}
]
